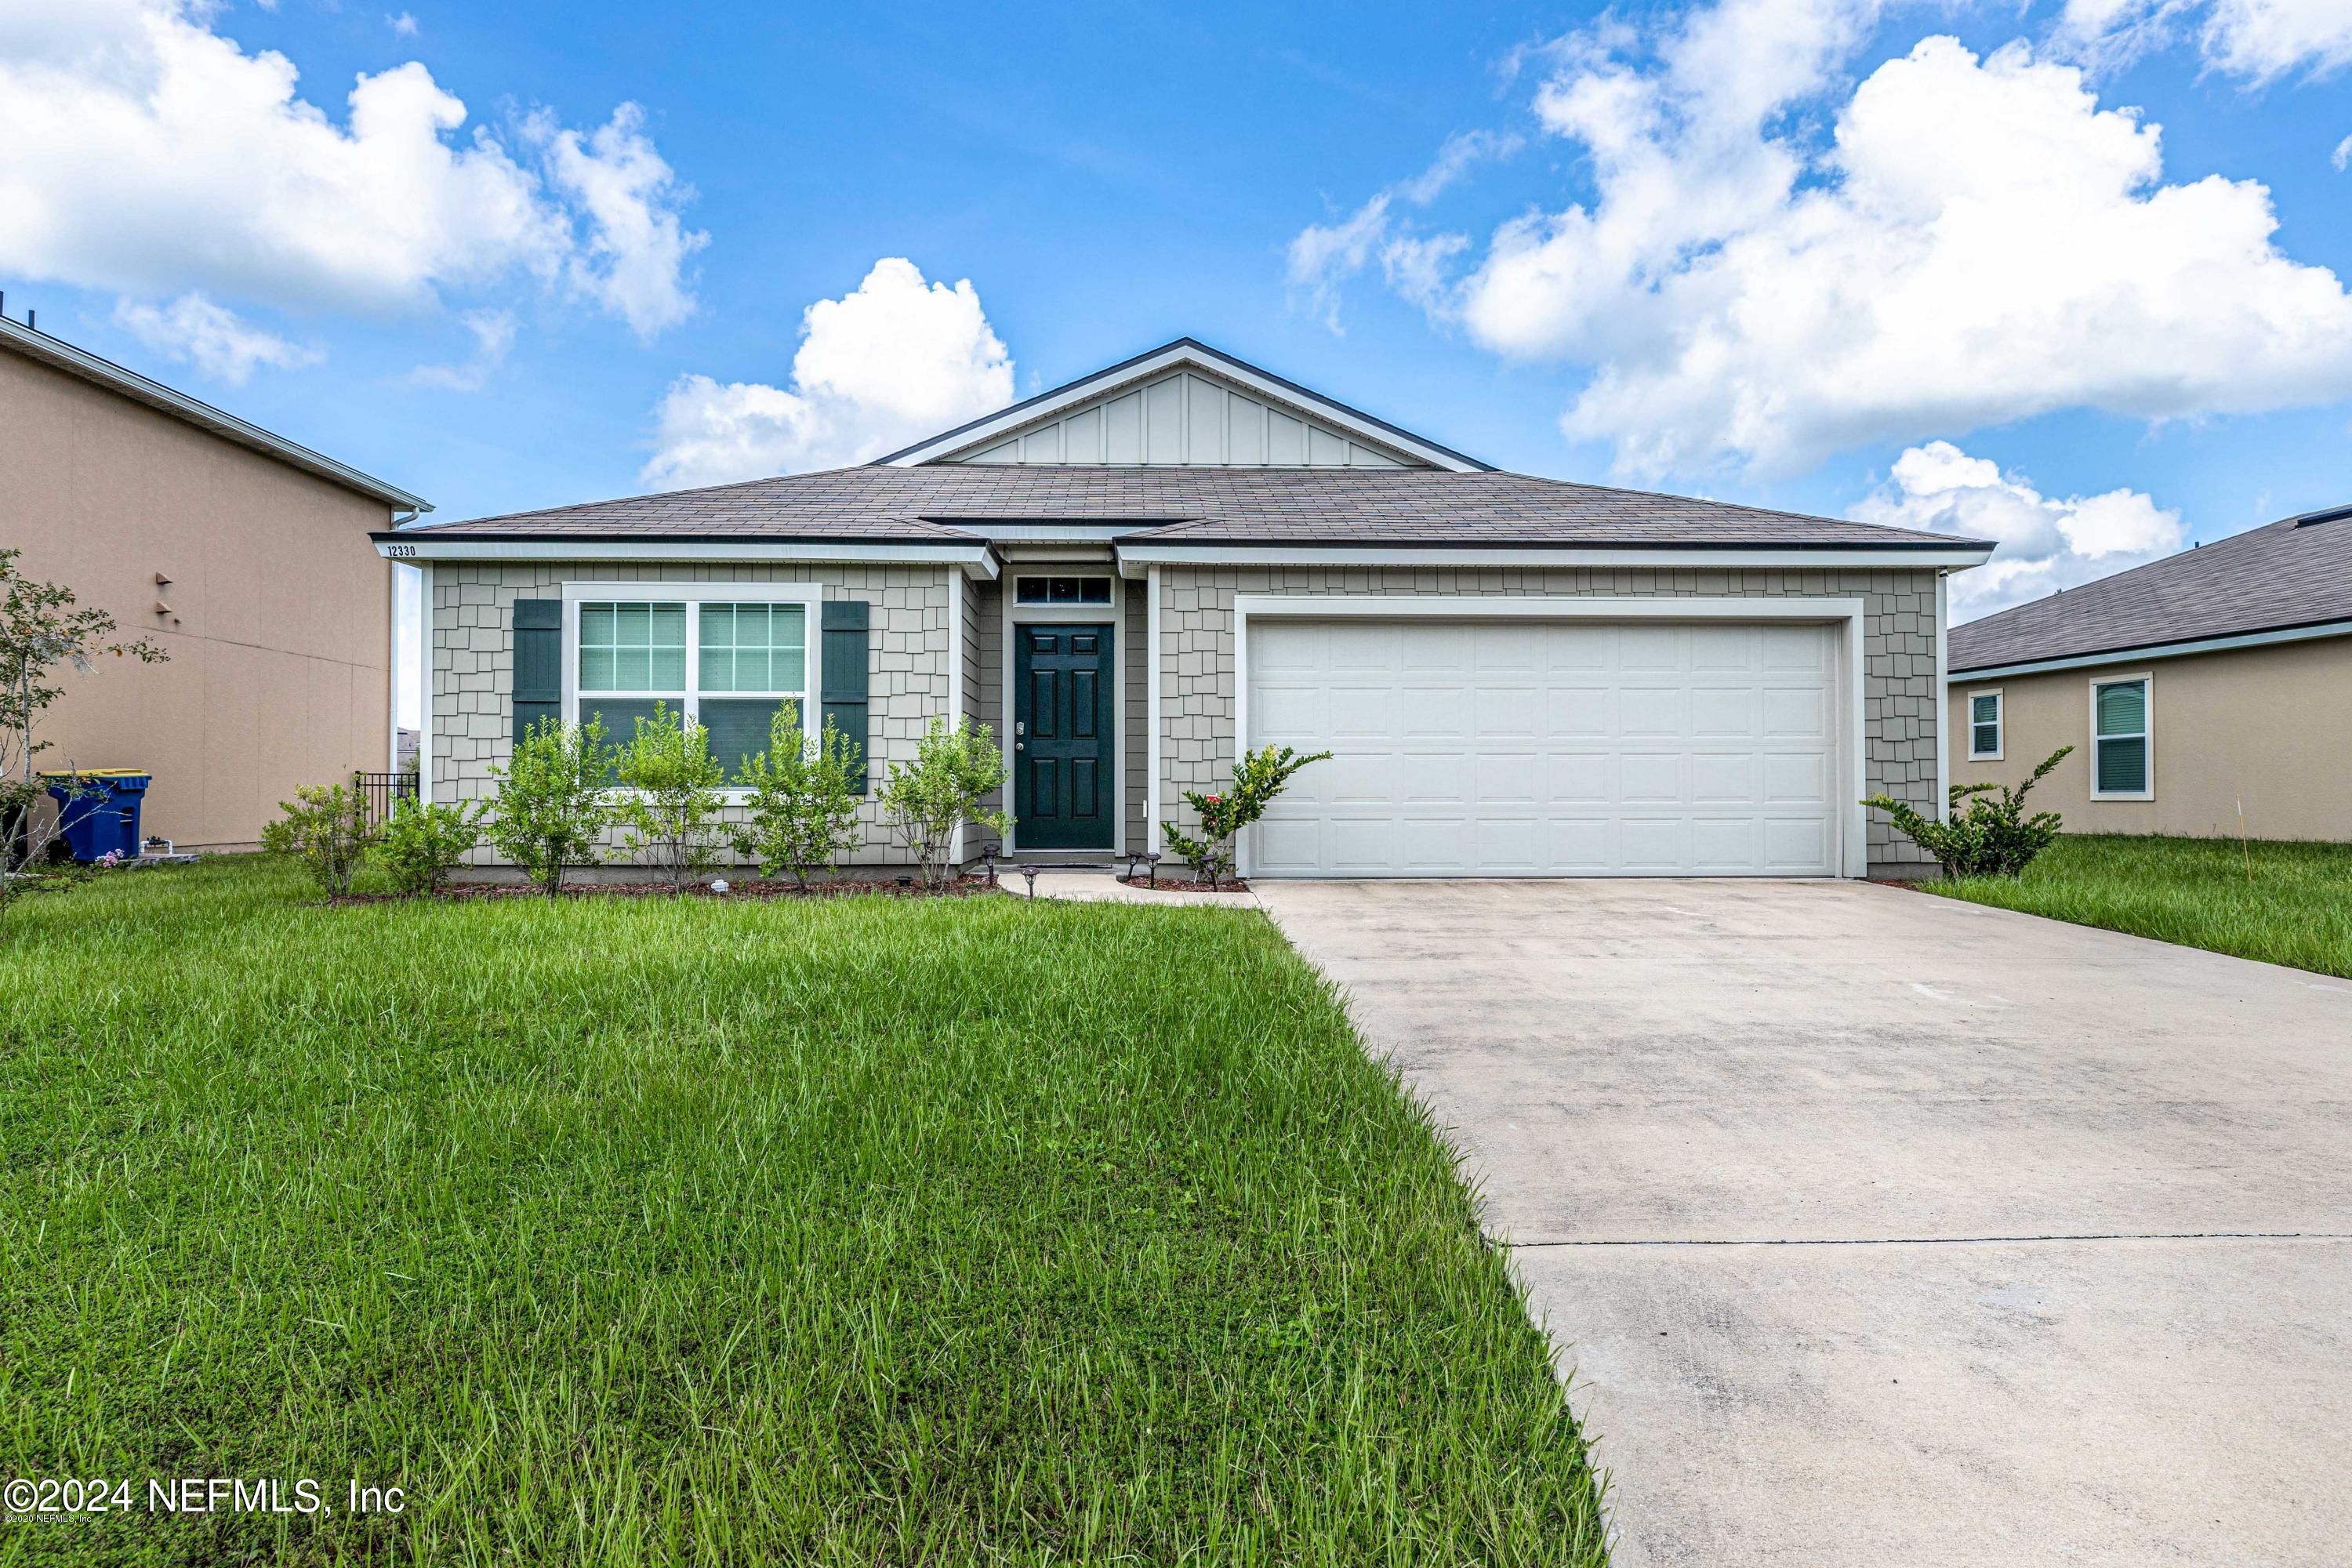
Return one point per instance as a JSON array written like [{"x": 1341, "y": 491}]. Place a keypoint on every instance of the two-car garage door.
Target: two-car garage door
[{"x": 1548, "y": 747}]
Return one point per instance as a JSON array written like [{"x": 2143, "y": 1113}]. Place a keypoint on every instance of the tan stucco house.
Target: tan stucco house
[
  {"x": 245, "y": 555},
  {"x": 2216, "y": 679},
  {"x": 1133, "y": 577}
]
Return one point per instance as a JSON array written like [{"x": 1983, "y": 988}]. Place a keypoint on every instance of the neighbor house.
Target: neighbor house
[
  {"x": 2214, "y": 680},
  {"x": 1133, "y": 577},
  {"x": 245, "y": 556}
]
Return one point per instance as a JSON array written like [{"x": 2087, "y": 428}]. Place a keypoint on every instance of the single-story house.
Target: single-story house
[
  {"x": 2217, "y": 679},
  {"x": 1134, "y": 576},
  {"x": 244, "y": 554}
]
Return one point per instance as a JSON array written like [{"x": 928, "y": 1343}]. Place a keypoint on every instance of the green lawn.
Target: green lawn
[
  {"x": 859, "y": 1231},
  {"x": 2295, "y": 908}
]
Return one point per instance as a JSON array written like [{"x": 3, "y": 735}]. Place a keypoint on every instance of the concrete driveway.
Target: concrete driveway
[{"x": 1878, "y": 1229}]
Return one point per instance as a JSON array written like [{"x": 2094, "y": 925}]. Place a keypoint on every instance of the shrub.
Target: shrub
[
  {"x": 674, "y": 817},
  {"x": 551, "y": 806},
  {"x": 422, "y": 843},
  {"x": 1258, "y": 778},
  {"x": 1993, "y": 838},
  {"x": 955, "y": 768},
  {"x": 326, "y": 828},
  {"x": 42, "y": 635},
  {"x": 803, "y": 813}
]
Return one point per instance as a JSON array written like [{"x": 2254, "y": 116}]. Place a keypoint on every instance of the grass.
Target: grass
[
  {"x": 860, "y": 1231},
  {"x": 2296, "y": 907}
]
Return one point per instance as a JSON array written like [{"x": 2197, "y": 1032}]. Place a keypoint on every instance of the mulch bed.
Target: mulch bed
[{"x": 757, "y": 890}]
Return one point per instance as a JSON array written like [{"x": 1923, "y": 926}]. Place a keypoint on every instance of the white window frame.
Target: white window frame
[
  {"x": 810, "y": 597},
  {"x": 2000, "y": 725},
  {"x": 2147, "y": 681}
]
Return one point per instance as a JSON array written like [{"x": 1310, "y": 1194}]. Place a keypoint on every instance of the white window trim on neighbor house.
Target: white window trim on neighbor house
[
  {"x": 810, "y": 597},
  {"x": 2000, "y": 725},
  {"x": 1854, "y": 832},
  {"x": 1115, "y": 615},
  {"x": 2146, "y": 681}
]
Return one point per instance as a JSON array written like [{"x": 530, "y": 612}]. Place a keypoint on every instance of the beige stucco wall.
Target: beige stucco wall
[
  {"x": 1198, "y": 674},
  {"x": 470, "y": 630},
  {"x": 2270, "y": 726},
  {"x": 280, "y": 609}
]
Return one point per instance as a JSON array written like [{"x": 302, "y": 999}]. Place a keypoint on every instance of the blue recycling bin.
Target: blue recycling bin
[{"x": 98, "y": 810}]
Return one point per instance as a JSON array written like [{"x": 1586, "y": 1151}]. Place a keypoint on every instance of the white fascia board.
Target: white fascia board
[
  {"x": 987, "y": 433},
  {"x": 1054, "y": 532},
  {"x": 977, "y": 560},
  {"x": 1566, "y": 556},
  {"x": 2142, "y": 655}
]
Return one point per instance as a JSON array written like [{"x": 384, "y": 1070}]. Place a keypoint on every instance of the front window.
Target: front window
[
  {"x": 2119, "y": 740},
  {"x": 750, "y": 657},
  {"x": 1984, "y": 726}
]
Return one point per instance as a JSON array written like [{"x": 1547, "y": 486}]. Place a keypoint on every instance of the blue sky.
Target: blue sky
[{"x": 1797, "y": 252}]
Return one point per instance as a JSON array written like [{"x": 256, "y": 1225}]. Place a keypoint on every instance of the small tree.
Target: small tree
[
  {"x": 1993, "y": 838},
  {"x": 675, "y": 813},
  {"x": 551, "y": 807},
  {"x": 326, "y": 829},
  {"x": 1258, "y": 778},
  {"x": 955, "y": 768},
  {"x": 803, "y": 813},
  {"x": 41, "y": 634},
  {"x": 422, "y": 844}
]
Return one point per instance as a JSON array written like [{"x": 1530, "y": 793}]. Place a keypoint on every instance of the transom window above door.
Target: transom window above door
[
  {"x": 748, "y": 660},
  {"x": 1061, "y": 590}
]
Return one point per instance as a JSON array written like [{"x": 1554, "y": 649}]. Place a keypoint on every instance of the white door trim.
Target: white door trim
[
  {"x": 1844, "y": 613},
  {"x": 1115, "y": 613}
]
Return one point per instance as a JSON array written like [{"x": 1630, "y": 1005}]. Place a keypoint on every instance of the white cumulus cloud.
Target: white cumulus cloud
[
  {"x": 142, "y": 152},
  {"x": 2258, "y": 41},
  {"x": 493, "y": 333},
  {"x": 2044, "y": 543},
  {"x": 217, "y": 341},
  {"x": 1975, "y": 240},
  {"x": 1323, "y": 256},
  {"x": 891, "y": 362}
]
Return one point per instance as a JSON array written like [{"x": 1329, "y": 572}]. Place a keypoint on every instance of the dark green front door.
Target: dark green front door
[{"x": 1065, "y": 780}]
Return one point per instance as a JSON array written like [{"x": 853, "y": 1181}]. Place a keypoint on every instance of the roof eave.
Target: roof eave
[
  {"x": 59, "y": 354},
  {"x": 2174, "y": 648}
]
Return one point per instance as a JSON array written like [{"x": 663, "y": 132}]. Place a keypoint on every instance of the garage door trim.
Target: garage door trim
[{"x": 1843, "y": 613}]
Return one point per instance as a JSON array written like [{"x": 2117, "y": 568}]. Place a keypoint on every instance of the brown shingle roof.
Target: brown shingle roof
[
  {"x": 2294, "y": 572},
  {"x": 1207, "y": 505}
]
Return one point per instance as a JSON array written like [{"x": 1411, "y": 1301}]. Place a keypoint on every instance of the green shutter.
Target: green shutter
[
  {"x": 537, "y": 662},
  {"x": 843, "y": 663}
]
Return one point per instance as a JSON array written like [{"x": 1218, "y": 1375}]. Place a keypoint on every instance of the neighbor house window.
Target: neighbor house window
[
  {"x": 729, "y": 663},
  {"x": 2121, "y": 767},
  {"x": 1061, "y": 590},
  {"x": 1984, "y": 726}
]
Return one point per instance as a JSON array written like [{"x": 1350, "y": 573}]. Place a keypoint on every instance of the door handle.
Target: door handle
[{"x": 1020, "y": 745}]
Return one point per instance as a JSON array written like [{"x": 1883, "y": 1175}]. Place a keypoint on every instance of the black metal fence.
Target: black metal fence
[{"x": 380, "y": 791}]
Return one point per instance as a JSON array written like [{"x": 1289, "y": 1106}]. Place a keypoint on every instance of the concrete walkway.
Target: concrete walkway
[{"x": 1882, "y": 1230}]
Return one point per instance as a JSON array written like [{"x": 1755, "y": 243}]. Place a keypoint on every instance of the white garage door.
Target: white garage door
[{"x": 1537, "y": 748}]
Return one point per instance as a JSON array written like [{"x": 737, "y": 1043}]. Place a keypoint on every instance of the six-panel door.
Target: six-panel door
[{"x": 1064, "y": 755}]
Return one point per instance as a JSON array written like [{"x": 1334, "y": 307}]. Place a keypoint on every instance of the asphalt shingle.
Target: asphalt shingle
[
  {"x": 943, "y": 502},
  {"x": 2294, "y": 572}
]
